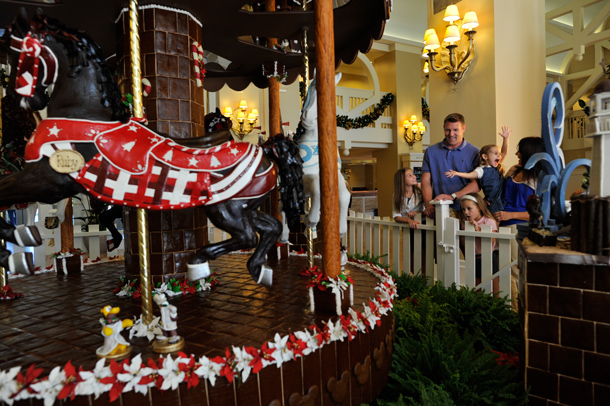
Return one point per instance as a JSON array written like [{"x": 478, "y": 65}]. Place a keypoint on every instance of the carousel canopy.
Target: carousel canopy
[{"x": 235, "y": 30}]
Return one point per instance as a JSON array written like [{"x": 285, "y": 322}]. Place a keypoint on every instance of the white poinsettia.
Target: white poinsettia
[
  {"x": 208, "y": 370},
  {"x": 356, "y": 321},
  {"x": 281, "y": 351},
  {"x": 172, "y": 376},
  {"x": 90, "y": 384},
  {"x": 242, "y": 361},
  {"x": 141, "y": 329},
  {"x": 8, "y": 384},
  {"x": 48, "y": 389},
  {"x": 336, "y": 331},
  {"x": 370, "y": 316},
  {"x": 134, "y": 372},
  {"x": 310, "y": 340}
]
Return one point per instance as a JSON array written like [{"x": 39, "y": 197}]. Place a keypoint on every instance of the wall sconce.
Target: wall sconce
[
  {"x": 238, "y": 122},
  {"x": 413, "y": 132},
  {"x": 459, "y": 59}
]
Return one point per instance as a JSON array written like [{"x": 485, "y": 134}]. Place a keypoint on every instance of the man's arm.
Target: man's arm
[{"x": 426, "y": 191}]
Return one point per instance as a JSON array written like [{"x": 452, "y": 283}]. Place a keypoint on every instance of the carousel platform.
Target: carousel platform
[{"x": 57, "y": 321}]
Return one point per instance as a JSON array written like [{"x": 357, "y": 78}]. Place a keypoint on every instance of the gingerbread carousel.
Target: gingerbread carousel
[{"x": 241, "y": 321}]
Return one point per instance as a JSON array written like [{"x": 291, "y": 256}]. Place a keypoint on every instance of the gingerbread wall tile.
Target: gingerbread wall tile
[{"x": 177, "y": 44}]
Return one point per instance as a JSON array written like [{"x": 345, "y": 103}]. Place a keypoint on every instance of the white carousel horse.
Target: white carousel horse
[{"x": 308, "y": 147}]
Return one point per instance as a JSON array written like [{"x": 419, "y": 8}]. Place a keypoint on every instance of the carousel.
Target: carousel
[{"x": 240, "y": 321}]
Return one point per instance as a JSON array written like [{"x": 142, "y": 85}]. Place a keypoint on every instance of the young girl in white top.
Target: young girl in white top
[
  {"x": 407, "y": 198},
  {"x": 474, "y": 211}
]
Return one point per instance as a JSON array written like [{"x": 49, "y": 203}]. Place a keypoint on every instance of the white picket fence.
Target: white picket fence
[{"x": 391, "y": 241}]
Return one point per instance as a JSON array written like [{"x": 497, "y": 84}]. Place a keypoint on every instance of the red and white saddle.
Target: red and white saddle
[{"x": 137, "y": 167}]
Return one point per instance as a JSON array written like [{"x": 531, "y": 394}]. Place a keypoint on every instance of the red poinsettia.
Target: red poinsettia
[
  {"x": 323, "y": 336},
  {"x": 348, "y": 327},
  {"x": 190, "y": 377},
  {"x": 296, "y": 346},
  {"x": 507, "y": 359},
  {"x": 258, "y": 356},
  {"x": 72, "y": 379},
  {"x": 117, "y": 385},
  {"x": 227, "y": 365},
  {"x": 7, "y": 293},
  {"x": 186, "y": 287},
  {"x": 154, "y": 376},
  {"x": 28, "y": 379}
]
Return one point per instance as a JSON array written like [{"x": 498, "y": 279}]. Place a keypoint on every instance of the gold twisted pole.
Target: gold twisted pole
[
  {"x": 138, "y": 112},
  {"x": 309, "y": 235},
  {"x": 3, "y": 277},
  {"x": 305, "y": 48}
]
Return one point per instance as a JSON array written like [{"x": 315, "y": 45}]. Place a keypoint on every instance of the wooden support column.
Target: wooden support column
[
  {"x": 327, "y": 138},
  {"x": 274, "y": 126},
  {"x": 67, "y": 229}
]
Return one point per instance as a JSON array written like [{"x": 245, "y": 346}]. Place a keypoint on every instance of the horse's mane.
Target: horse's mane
[{"x": 81, "y": 49}]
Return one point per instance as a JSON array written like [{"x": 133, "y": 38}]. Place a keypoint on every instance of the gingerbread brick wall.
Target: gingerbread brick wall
[
  {"x": 565, "y": 314},
  {"x": 175, "y": 104}
]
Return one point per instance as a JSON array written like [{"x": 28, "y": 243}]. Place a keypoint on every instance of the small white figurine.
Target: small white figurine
[
  {"x": 115, "y": 345},
  {"x": 169, "y": 315}
]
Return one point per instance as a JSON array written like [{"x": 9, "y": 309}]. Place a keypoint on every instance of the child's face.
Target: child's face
[
  {"x": 493, "y": 156},
  {"x": 410, "y": 178},
  {"x": 470, "y": 210}
]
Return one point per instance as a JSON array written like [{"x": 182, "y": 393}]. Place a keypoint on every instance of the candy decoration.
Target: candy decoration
[
  {"x": 146, "y": 87},
  {"x": 198, "y": 63}
]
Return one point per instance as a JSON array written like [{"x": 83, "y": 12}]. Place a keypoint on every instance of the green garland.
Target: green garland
[{"x": 364, "y": 121}]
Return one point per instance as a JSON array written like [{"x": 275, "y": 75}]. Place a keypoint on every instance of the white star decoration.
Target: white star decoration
[
  {"x": 54, "y": 131},
  {"x": 133, "y": 128},
  {"x": 129, "y": 146},
  {"x": 193, "y": 161},
  {"x": 168, "y": 157},
  {"x": 234, "y": 151}
]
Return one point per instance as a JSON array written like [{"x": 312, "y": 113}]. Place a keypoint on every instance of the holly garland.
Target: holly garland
[
  {"x": 237, "y": 363},
  {"x": 174, "y": 287},
  {"x": 366, "y": 120}
]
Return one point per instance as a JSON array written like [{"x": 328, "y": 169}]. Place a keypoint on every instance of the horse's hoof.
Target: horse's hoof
[
  {"x": 266, "y": 276},
  {"x": 21, "y": 263},
  {"x": 198, "y": 271},
  {"x": 27, "y": 236}
]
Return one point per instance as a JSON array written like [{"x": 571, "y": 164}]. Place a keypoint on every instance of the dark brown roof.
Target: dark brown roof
[
  {"x": 602, "y": 87},
  {"x": 357, "y": 24}
]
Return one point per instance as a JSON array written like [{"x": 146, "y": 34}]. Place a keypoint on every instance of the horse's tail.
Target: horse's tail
[{"x": 285, "y": 153}]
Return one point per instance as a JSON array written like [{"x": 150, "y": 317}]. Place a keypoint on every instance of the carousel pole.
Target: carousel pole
[
  {"x": 3, "y": 277},
  {"x": 327, "y": 130},
  {"x": 274, "y": 125},
  {"x": 138, "y": 112},
  {"x": 305, "y": 84}
]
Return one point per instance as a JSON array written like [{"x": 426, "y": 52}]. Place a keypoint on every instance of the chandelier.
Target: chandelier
[{"x": 238, "y": 117}]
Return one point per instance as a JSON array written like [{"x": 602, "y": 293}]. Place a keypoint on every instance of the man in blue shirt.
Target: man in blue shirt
[{"x": 452, "y": 153}]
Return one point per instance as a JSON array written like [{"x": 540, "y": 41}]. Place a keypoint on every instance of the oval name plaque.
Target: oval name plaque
[{"x": 66, "y": 161}]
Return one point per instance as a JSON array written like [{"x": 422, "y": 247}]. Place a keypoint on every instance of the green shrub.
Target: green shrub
[{"x": 443, "y": 347}]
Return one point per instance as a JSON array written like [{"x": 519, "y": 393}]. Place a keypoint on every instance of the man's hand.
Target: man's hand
[
  {"x": 429, "y": 211},
  {"x": 502, "y": 216}
]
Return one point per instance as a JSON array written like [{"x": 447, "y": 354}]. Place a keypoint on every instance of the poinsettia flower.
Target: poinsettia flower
[
  {"x": 296, "y": 345},
  {"x": 242, "y": 362},
  {"x": 25, "y": 381},
  {"x": 260, "y": 358},
  {"x": 360, "y": 323},
  {"x": 281, "y": 352},
  {"x": 322, "y": 335},
  {"x": 8, "y": 384},
  {"x": 188, "y": 366},
  {"x": 72, "y": 378},
  {"x": 226, "y": 365},
  {"x": 336, "y": 331},
  {"x": 348, "y": 327},
  {"x": 91, "y": 380},
  {"x": 132, "y": 376},
  {"x": 48, "y": 389},
  {"x": 310, "y": 341},
  {"x": 141, "y": 329},
  {"x": 116, "y": 385},
  {"x": 208, "y": 370},
  {"x": 171, "y": 373},
  {"x": 372, "y": 314}
]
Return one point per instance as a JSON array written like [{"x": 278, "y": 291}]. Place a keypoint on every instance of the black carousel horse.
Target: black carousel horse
[{"x": 125, "y": 162}]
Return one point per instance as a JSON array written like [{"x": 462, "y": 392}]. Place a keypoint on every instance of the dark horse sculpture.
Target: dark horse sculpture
[{"x": 125, "y": 162}]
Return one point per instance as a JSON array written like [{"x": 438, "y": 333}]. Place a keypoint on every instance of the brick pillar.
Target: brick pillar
[{"x": 174, "y": 107}]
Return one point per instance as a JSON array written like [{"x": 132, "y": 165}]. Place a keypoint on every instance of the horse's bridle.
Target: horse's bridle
[{"x": 32, "y": 53}]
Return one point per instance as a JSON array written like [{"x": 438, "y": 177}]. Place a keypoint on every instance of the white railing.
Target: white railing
[{"x": 413, "y": 251}]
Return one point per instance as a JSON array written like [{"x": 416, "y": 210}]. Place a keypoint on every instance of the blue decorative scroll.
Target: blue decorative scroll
[{"x": 554, "y": 175}]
